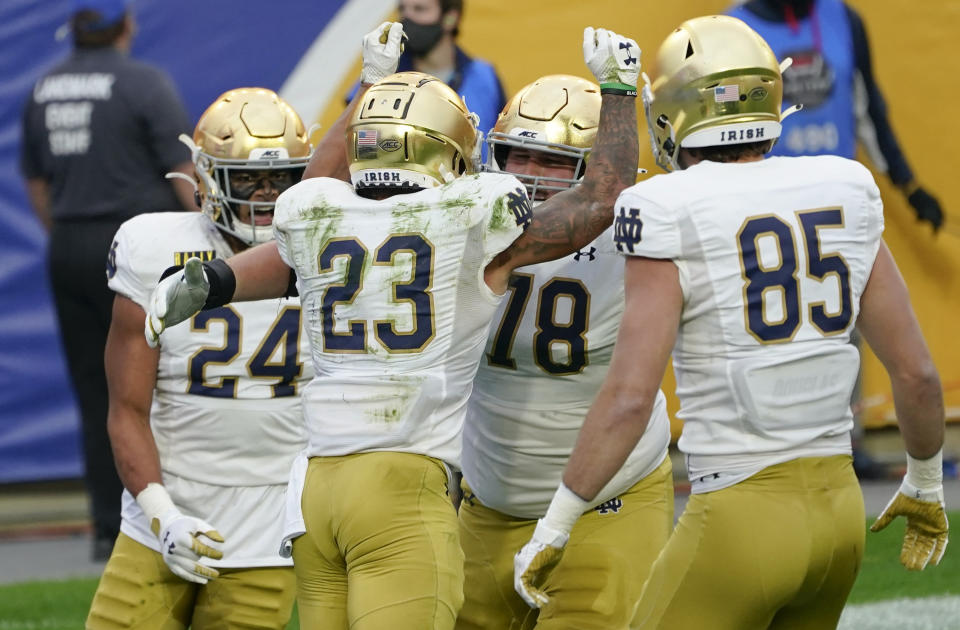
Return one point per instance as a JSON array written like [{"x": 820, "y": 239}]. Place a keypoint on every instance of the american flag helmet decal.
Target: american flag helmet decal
[
  {"x": 726, "y": 93},
  {"x": 367, "y": 138}
]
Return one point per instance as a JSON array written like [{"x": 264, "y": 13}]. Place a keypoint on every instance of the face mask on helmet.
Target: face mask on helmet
[
  {"x": 410, "y": 132},
  {"x": 718, "y": 83},
  {"x": 249, "y": 146},
  {"x": 545, "y": 133}
]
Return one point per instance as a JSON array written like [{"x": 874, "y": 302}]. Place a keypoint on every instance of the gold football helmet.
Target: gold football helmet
[
  {"x": 717, "y": 83},
  {"x": 556, "y": 114},
  {"x": 246, "y": 131},
  {"x": 410, "y": 132}
]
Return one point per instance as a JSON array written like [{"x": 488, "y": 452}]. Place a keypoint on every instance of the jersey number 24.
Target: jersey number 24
[{"x": 277, "y": 358}]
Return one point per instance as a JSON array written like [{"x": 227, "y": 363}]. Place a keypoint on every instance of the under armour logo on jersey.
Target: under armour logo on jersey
[
  {"x": 591, "y": 255},
  {"x": 626, "y": 46},
  {"x": 518, "y": 203},
  {"x": 627, "y": 229},
  {"x": 613, "y": 505}
]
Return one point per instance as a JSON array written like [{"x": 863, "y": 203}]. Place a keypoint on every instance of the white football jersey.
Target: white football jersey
[
  {"x": 547, "y": 355},
  {"x": 395, "y": 306},
  {"x": 773, "y": 257},
  {"x": 226, "y": 411}
]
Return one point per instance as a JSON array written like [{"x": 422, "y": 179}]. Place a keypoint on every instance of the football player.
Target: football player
[
  {"x": 753, "y": 271},
  {"x": 205, "y": 427},
  {"x": 400, "y": 274},
  {"x": 547, "y": 354}
]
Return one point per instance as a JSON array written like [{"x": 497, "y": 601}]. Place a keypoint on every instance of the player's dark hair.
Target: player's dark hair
[
  {"x": 731, "y": 152},
  {"x": 98, "y": 37}
]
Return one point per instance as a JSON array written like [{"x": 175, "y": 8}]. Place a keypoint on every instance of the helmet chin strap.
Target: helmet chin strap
[
  {"x": 793, "y": 109},
  {"x": 476, "y": 155},
  {"x": 315, "y": 127},
  {"x": 184, "y": 177},
  {"x": 195, "y": 156},
  {"x": 784, "y": 65},
  {"x": 194, "y": 149}
]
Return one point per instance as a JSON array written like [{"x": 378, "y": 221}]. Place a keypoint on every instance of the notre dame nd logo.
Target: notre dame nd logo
[
  {"x": 612, "y": 506},
  {"x": 627, "y": 229},
  {"x": 518, "y": 203}
]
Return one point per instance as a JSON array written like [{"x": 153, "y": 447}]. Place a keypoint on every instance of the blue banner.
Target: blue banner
[{"x": 207, "y": 47}]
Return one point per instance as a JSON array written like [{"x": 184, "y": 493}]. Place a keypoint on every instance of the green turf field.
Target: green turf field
[{"x": 63, "y": 605}]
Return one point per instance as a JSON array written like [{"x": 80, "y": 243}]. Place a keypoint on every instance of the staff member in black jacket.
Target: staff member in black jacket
[{"x": 99, "y": 133}]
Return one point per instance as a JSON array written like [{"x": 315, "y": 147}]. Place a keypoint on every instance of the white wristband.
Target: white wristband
[
  {"x": 565, "y": 508},
  {"x": 155, "y": 501},
  {"x": 925, "y": 474}
]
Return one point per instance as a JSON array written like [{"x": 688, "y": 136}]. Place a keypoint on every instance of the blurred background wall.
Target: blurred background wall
[{"x": 308, "y": 50}]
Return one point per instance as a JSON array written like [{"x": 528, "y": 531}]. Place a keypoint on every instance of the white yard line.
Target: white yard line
[
  {"x": 929, "y": 613},
  {"x": 317, "y": 76}
]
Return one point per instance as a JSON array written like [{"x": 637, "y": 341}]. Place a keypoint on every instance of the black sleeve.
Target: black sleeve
[
  {"x": 31, "y": 162},
  {"x": 165, "y": 117},
  {"x": 897, "y": 166},
  {"x": 222, "y": 282}
]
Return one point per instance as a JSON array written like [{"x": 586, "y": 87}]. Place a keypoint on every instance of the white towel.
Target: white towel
[{"x": 293, "y": 525}]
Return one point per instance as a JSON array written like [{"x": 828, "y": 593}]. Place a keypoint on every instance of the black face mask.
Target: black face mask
[{"x": 421, "y": 38}]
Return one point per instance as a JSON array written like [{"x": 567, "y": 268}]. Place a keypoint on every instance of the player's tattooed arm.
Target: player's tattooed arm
[{"x": 573, "y": 218}]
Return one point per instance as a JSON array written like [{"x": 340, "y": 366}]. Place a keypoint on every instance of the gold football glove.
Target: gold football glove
[
  {"x": 925, "y": 538},
  {"x": 534, "y": 562}
]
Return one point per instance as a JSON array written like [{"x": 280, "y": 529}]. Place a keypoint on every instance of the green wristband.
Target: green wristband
[
  {"x": 618, "y": 86},
  {"x": 621, "y": 89}
]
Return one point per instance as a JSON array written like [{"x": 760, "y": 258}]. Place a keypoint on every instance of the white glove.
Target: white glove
[
  {"x": 176, "y": 298},
  {"x": 179, "y": 536},
  {"x": 381, "y": 51},
  {"x": 534, "y": 562},
  {"x": 920, "y": 500},
  {"x": 182, "y": 549},
  {"x": 613, "y": 59}
]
